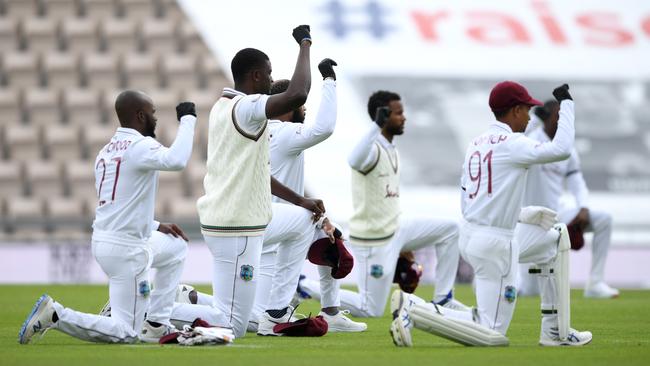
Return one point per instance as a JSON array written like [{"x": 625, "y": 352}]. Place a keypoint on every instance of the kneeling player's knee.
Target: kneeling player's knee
[{"x": 179, "y": 248}]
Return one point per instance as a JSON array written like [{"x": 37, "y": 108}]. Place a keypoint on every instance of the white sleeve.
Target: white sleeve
[
  {"x": 250, "y": 113},
  {"x": 524, "y": 150},
  {"x": 575, "y": 182},
  {"x": 321, "y": 128},
  {"x": 150, "y": 154},
  {"x": 364, "y": 155}
]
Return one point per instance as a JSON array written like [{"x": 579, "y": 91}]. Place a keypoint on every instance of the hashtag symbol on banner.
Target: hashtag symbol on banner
[{"x": 340, "y": 24}]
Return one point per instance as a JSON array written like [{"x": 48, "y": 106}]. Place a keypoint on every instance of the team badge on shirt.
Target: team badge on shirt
[
  {"x": 246, "y": 272},
  {"x": 510, "y": 294},
  {"x": 376, "y": 270},
  {"x": 144, "y": 289}
]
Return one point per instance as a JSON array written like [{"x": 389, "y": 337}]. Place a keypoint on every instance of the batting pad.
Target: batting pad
[
  {"x": 456, "y": 330},
  {"x": 562, "y": 282}
]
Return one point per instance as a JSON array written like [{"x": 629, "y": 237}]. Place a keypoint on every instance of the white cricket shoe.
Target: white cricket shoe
[
  {"x": 400, "y": 300},
  {"x": 341, "y": 323},
  {"x": 39, "y": 319},
  {"x": 186, "y": 294},
  {"x": 151, "y": 334},
  {"x": 266, "y": 322},
  {"x": 551, "y": 338},
  {"x": 400, "y": 328},
  {"x": 601, "y": 290}
]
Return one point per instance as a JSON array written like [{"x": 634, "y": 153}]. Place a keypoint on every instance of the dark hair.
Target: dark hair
[
  {"x": 245, "y": 61},
  {"x": 501, "y": 113},
  {"x": 380, "y": 98},
  {"x": 279, "y": 86}
]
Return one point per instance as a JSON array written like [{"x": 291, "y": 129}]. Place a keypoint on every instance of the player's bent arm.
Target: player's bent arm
[
  {"x": 524, "y": 150},
  {"x": 321, "y": 129},
  {"x": 280, "y": 190},
  {"x": 296, "y": 94},
  {"x": 153, "y": 156},
  {"x": 314, "y": 205},
  {"x": 365, "y": 153}
]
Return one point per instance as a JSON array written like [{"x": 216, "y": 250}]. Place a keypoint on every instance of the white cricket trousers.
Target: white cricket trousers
[
  {"x": 600, "y": 225},
  {"x": 130, "y": 291},
  {"x": 375, "y": 266},
  {"x": 327, "y": 288},
  {"x": 286, "y": 241},
  {"x": 494, "y": 254},
  {"x": 235, "y": 275}
]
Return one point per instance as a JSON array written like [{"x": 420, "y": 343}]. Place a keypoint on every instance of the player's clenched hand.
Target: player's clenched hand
[
  {"x": 301, "y": 33},
  {"x": 185, "y": 108},
  {"x": 381, "y": 116},
  {"x": 173, "y": 230},
  {"x": 581, "y": 219},
  {"x": 314, "y": 205},
  {"x": 562, "y": 93},
  {"x": 326, "y": 69}
]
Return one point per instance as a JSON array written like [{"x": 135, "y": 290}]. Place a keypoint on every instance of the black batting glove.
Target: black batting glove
[
  {"x": 562, "y": 93},
  {"x": 326, "y": 69},
  {"x": 381, "y": 116},
  {"x": 542, "y": 113},
  {"x": 301, "y": 33},
  {"x": 185, "y": 108}
]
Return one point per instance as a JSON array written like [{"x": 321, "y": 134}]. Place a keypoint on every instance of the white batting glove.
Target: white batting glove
[{"x": 538, "y": 215}]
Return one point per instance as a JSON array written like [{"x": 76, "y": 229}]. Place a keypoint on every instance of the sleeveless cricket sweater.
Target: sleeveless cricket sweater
[
  {"x": 237, "y": 201},
  {"x": 375, "y": 198}
]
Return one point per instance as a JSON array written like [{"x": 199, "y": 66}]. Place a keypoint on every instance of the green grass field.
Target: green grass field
[{"x": 621, "y": 329}]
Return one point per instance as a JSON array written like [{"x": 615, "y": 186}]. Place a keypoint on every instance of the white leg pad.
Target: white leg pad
[
  {"x": 562, "y": 282},
  {"x": 464, "y": 332}
]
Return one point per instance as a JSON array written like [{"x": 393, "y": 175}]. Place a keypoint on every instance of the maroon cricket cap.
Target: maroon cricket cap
[
  {"x": 307, "y": 327},
  {"x": 325, "y": 253},
  {"x": 508, "y": 94}
]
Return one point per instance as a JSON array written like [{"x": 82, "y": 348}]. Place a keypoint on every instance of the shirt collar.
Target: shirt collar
[
  {"x": 230, "y": 93},
  {"x": 384, "y": 142},
  {"x": 502, "y": 126},
  {"x": 129, "y": 131}
]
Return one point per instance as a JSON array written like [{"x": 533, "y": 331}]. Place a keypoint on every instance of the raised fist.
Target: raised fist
[
  {"x": 185, "y": 108},
  {"x": 562, "y": 93},
  {"x": 381, "y": 116},
  {"x": 301, "y": 33},
  {"x": 326, "y": 69}
]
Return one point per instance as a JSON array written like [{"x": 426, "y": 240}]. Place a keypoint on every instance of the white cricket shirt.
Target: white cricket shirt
[
  {"x": 290, "y": 140},
  {"x": 126, "y": 180},
  {"x": 546, "y": 182},
  {"x": 495, "y": 168}
]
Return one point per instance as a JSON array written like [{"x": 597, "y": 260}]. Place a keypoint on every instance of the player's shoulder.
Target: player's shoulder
[
  {"x": 249, "y": 99},
  {"x": 144, "y": 145},
  {"x": 279, "y": 128}
]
